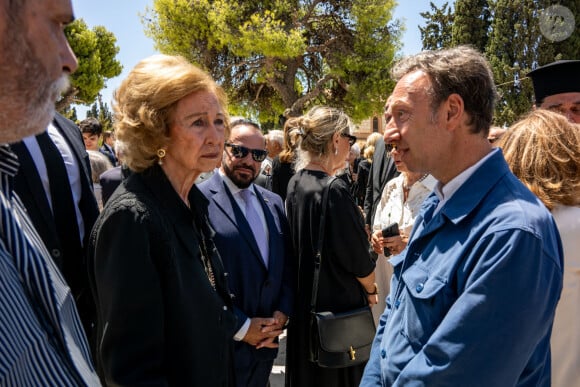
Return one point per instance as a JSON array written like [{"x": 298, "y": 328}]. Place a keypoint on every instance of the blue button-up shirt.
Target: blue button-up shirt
[{"x": 474, "y": 293}]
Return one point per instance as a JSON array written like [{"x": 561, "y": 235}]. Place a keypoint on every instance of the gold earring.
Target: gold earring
[{"x": 160, "y": 155}]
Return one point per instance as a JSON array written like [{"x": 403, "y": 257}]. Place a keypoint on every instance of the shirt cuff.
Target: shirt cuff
[{"x": 239, "y": 336}]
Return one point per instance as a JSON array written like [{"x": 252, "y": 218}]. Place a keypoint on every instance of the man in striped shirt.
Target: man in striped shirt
[{"x": 42, "y": 342}]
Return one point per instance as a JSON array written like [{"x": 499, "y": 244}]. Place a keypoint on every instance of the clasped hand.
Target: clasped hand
[{"x": 264, "y": 330}]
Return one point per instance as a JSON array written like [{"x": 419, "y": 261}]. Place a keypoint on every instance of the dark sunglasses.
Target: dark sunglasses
[
  {"x": 351, "y": 139},
  {"x": 239, "y": 152}
]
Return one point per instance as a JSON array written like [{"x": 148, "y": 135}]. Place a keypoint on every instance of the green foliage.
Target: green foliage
[
  {"x": 100, "y": 110},
  {"x": 437, "y": 31},
  {"x": 277, "y": 57},
  {"x": 509, "y": 34},
  {"x": 471, "y": 23},
  {"x": 96, "y": 53}
]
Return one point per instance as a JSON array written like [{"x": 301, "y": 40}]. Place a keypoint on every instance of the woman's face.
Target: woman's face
[
  {"x": 196, "y": 132},
  {"x": 342, "y": 147},
  {"x": 399, "y": 163}
]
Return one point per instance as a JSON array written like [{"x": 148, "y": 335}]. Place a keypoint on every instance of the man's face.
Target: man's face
[
  {"x": 413, "y": 127},
  {"x": 34, "y": 65},
  {"x": 243, "y": 171},
  {"x": 110, "y": 140},
  {"x": 567, "y": 104},
  {"x": 91, "y": 141}
]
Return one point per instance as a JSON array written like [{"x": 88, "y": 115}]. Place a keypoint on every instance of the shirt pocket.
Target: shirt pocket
[{"x": 425, "y": 306}]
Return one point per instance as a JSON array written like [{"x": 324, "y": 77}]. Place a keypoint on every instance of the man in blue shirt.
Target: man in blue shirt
[{"x": 473, "y": 295}]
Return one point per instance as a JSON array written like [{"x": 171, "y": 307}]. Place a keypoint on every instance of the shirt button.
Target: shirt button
[
  {"x": 419, "y": 288},
  {"x": 383, "y": 353},
  {"x": 55, "y": 253},
  {"x": 397, "y": 303},
  {"x": 225, "y": 307}
]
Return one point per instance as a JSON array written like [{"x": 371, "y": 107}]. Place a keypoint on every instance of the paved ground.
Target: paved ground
[{"x": 278, "y": 371}]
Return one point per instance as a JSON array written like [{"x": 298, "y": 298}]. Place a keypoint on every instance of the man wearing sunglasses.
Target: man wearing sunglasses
[{"x": 253, "y": 239}]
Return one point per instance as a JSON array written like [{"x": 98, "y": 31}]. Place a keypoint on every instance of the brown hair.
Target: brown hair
[
  {"x": 543, "y": 151},
  {"x": 460, "y": 70}
]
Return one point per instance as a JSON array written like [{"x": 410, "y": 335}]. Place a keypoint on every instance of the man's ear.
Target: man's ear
[{"x": 455, "y": 110}]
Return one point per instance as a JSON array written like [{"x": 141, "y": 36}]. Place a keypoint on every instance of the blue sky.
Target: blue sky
[{"x": 123, "y": 19}]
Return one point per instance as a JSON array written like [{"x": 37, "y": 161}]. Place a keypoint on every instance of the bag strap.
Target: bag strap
[{"x": 318, "y": 255}]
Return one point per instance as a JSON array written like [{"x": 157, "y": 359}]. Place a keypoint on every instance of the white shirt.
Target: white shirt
[
  {"x": 393, "y": 208},
  {"x": 72, "y": 169},
  {"x": 565, "y": 341}
]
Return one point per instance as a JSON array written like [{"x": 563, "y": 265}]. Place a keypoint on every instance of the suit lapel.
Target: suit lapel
[
  {"x": 225, "y": 202},
  {"x": 28, "y": 176}
]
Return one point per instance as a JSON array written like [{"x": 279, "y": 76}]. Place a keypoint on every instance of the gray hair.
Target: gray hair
[
  {"x": 276, "y": 135},
  {"x": 460, "y": 70}
]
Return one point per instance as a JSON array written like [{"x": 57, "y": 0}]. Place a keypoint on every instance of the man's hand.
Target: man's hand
[{"x": 262, "y": 330}]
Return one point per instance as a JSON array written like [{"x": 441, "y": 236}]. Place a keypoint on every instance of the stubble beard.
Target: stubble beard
[
  {"x": 236, "y": 179},
  {"x": 28, "y": 94}
]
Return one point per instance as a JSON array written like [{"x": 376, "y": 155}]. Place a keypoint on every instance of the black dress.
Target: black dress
[
  {"x": 280, "y": 175},
  {"x": 346, "y": 257}
]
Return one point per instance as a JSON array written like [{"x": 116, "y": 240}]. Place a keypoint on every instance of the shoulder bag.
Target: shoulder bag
[{"x": 337, "y": 340}]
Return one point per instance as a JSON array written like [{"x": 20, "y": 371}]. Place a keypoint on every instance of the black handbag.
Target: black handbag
[{"x": 337, "y": 340}]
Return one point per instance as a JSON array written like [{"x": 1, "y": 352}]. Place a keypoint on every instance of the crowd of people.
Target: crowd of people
[{"x": 176, "y": 249}]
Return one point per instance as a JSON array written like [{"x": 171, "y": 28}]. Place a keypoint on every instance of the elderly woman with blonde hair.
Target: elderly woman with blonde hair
[
  {"x": 164, "y": 311},
  {"x": 543, "y": 151}
]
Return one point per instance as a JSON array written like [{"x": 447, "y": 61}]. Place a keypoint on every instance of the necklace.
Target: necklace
[
  {"x": 408, "y": 187},
  {"x": 322, "y": 167},
  {"x": 207, "y": 263},
  {"x": 204, "y": 251}
]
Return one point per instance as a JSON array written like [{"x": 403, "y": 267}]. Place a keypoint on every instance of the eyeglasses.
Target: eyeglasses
[
  {"x": 351, "y": 139},
  {"x": 239, "y": 152}
]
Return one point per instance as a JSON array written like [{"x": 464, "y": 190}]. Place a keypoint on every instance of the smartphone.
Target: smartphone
[{"x": 390, "y": 231}]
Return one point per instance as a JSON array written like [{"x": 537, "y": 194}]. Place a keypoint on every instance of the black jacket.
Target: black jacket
[
  {"x": 30, "y": 190},
  {"x": 160, "y": 322}
]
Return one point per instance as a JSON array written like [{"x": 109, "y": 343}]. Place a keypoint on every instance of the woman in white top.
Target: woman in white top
[
  {"x": 543, "y": 151},
  {"x": 400, "y": 203}
]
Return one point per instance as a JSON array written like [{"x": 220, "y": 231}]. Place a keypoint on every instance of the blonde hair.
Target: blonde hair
[
  {"x": 144, "y": 103},
  {"x": 312, "y": 132},
  {"x": 543, "y": 151},
  {"x": 369, "y": 149}
]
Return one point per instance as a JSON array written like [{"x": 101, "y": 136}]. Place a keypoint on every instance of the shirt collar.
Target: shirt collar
[{"x": 445, "y": 192}]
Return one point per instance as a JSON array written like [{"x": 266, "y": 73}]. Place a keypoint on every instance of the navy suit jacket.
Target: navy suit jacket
[
  {"x": 258, "y": 291},
  {"x": 30, "y": 190},
  {"x": 108, "y": 151}
]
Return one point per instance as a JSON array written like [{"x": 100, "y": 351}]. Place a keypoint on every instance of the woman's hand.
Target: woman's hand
[
  {"x": 372, "y": 299},
  {"x": 377, "y": 241},
  {"x": 395, "y": 244}
]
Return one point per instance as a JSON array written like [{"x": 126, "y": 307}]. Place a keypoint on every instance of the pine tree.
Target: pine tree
[
  {"x": 509, "y": 33},
  {"x": 278, "y": 57},
  {"x": 437, "y": 31},
  {"x": 472, "y": 19}
]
